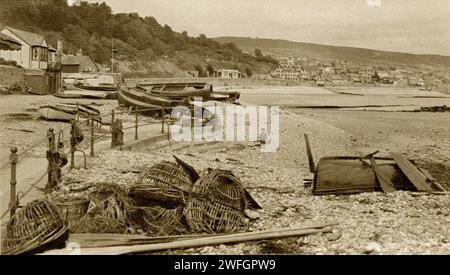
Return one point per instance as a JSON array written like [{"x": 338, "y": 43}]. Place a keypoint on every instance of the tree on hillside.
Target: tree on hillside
[
  {"x": 258, "y": 53},
  {"x": 248, "y": 72},
  {"x": 210, "y": 70},
  {"x": 376, "y": 77},
  {"x": 199, "y": 69}
]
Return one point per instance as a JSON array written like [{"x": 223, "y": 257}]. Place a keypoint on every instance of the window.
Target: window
[
  {"x": 44, "y": 54},
  {"x": 35, "y": 53}
]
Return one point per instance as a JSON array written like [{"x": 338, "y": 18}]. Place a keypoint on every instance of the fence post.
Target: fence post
[
  {"x": 92, "y": 136},
  {"x": 112, "y": 120},
  {"x": 77, "y": 117},
  {"x": 163, "y": 120},
  {"x": 13, "y": 181},
  {"x": 136, "y": 126},
  {"x": 72, "y": 145}
]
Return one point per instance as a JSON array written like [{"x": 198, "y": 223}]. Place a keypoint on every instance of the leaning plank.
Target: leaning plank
[
  {"x": 431, "y": 179},
  {"x": 417, "y": 178},
  {"x": 385, "y": 183},
  {"x": 205, "y": 241}
]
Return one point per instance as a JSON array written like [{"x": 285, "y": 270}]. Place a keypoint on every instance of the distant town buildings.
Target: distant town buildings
[
  {"x": 226, "y": 73},
  {"x": 340, "y": 72}
]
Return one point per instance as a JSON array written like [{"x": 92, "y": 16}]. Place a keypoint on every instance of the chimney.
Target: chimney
[
  {"x": 79, "y": 52},
  {"x": 59, "y": 46}
]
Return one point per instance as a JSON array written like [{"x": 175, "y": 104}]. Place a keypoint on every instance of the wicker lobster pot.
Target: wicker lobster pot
[
  {"x": 162, "y": 222},
  {"x": 110, "y": 213},
  {"x": 71, "y": 210},
  {"x": 217, "y": 203},
  {"x": 165, "y": 183},
  {"x": 35, "y": 226}
]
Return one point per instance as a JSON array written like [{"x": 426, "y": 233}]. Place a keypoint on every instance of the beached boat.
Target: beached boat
[
  {"x": 143, "y": 95},
  {"x": 74, "y": 94},
  {"x": 127, "y": 101},
  {"x": 225, "y": 96},
  {"x": 101, "y": 87},
  {"x": 179, "y": 90},
  {"x": 66, "y": 112},
  {"x": 52, "y": 112}
]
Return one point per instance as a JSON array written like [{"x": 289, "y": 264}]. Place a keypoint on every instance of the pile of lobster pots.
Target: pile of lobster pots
[
  {"x": 170, "y": 198},
  {"x": 174, "y": 198}
]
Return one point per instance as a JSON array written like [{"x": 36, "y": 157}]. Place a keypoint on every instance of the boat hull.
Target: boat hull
[
  {"x": 179, "y": 90},
  {"x": 128, "y": 102},
  {"x": 53, "y": 113},
  {"x": 144, "y": 97}
]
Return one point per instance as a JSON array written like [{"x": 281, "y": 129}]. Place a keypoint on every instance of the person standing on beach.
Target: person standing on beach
[{"x": 262, "y": 137}]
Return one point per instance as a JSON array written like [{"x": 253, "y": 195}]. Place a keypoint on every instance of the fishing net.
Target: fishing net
[{"x": 217, "y": 203}]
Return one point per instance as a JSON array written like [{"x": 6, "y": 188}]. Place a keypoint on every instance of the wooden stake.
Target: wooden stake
[{"x": 312, "y": 166}]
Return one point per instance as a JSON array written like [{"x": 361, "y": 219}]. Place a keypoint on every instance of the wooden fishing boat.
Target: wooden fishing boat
[
  {"x": 225, "y": 96},
  {"x": 124, "y": 99},
  {"x": 52, "y": 112},
  {"x": 67, "y": 112},
  {"x": 143, "y": 96},
  {"x": 179, "y": 90},
  {"x": 100, "y": 87}
]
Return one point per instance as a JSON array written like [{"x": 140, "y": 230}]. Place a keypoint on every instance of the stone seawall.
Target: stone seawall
[
  {"x": 216, "y": 82},
  {"x": 10, "y": 76}
]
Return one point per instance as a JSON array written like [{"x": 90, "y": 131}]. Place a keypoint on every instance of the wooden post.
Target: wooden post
[
  {"x": 13, "y": 181},
  {"x": 112, "y": 120},
  {"x": 136, "y": 126},
  {"x": 312, "y": 166},
  {"x": 92, "y": 136},
  {"x": 72, "y": 145},
  {"x": 77, "y": 117},
  {"x": 162, "y": 121}
]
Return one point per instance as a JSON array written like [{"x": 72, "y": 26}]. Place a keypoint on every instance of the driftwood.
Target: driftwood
[{"x": 203, "y": 241}]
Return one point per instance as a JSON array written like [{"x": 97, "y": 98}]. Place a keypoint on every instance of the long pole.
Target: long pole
[
  {"x": 92, "y": 136},
  {"x": 312, "y": 166},
  {"x": 112, "y": 56},
  {"x": 13, "y": 182},
  {"x": 136, "y": 126}
]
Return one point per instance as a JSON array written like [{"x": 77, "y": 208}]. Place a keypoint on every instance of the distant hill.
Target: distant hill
[
  {"x": 284, "y": 48},
  {"x": 145, "y": 47}
]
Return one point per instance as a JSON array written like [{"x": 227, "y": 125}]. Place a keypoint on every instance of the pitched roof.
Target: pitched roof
[
  {"x": 33, "y": 39},
  {"x": 82, "y": 60},
  {"x": 8, "y": 43}
]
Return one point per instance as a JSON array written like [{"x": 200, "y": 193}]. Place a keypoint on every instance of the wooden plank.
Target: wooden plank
[
  {"x": 205, "y": 241},
  {"x": 384, "y": 182},
  {"x": 432, "y": 179},
  {"x": 312, "y": 166},
  {"x": 417, "y": 178}
]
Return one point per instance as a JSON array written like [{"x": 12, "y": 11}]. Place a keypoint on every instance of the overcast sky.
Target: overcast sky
[{"x": 415, "y": 26}]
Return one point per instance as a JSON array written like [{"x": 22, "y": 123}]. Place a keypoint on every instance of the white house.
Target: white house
[
  {"x": 34, "y": 49},
  {"x": 224, "y": 73}
]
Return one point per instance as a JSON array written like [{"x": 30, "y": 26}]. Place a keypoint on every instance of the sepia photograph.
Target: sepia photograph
[{"x": 251, "y": 129}]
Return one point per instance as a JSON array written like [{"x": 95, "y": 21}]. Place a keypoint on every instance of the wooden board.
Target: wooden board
[
  {"x": 350, "y": 175},
  {"x": 384, "y": 182},
  {"x": 204, "y": 241},
  {"x": 417, "y": 178}
]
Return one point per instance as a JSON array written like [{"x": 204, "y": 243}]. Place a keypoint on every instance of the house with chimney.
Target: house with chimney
[{"x": 78, "y": 63}]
